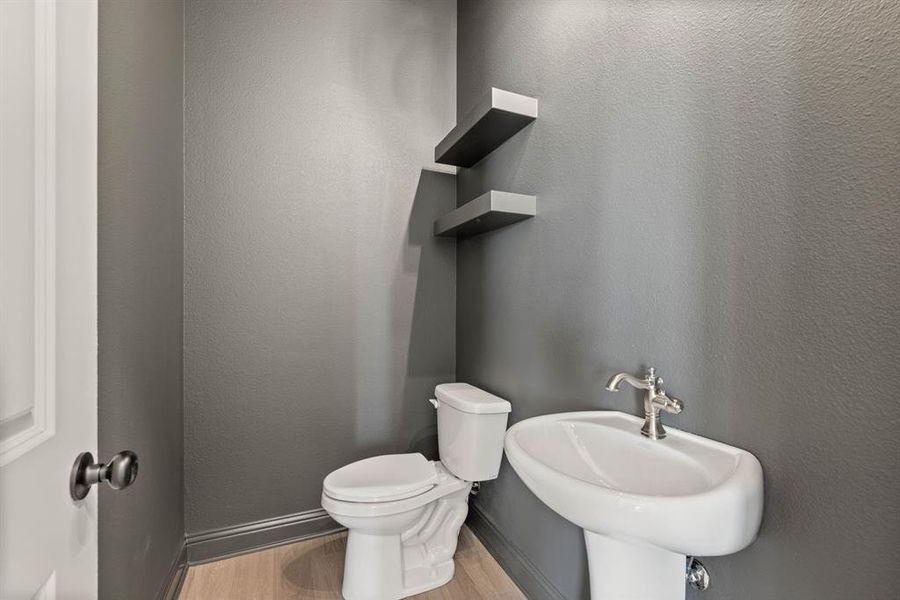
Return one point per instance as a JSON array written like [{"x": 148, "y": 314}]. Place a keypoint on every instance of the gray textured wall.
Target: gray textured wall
[
  {"x": 319, "y": 310},
  {"x": 718, "y": 192},
  {"x": 140, "y": 290}
]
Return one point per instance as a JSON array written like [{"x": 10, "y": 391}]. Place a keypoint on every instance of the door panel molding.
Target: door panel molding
[{"x": 29, "y": 428}]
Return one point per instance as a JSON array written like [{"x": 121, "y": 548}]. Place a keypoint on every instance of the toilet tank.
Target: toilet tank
[{"x": 471, "y": 427}]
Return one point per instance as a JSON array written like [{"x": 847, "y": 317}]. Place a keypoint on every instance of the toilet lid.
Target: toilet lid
[{"x": 382, "y": 478}]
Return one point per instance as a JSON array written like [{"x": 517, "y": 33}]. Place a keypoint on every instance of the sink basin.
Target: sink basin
[{"x": 644, "y": 504}]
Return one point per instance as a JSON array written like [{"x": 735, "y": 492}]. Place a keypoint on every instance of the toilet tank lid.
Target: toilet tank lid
[{"x": 468, "y": 398}]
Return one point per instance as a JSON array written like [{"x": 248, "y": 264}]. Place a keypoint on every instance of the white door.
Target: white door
[{"x": 48, "y": 295}]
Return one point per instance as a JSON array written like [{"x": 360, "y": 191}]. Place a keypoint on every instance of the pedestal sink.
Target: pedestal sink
[{"x": 645, "y": 505}]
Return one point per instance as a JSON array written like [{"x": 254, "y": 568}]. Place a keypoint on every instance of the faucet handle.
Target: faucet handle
[
  {"x": 655, "y": 381},
  {"x": 671, "y": 405}
]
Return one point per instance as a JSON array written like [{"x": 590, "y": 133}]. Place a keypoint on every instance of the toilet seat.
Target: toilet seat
[
  {"x": 382, "y": 478},
  {"x": 445, "y": 483}
]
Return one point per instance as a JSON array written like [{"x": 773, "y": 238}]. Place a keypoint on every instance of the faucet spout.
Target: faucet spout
[{"x": 616, "y": 380}]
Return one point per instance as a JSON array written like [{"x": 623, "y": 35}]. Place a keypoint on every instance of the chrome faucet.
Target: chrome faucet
[{"x": 655, "y": 400}]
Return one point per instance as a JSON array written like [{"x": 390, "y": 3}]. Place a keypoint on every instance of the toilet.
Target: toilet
[{"x": 403, "y": 511}]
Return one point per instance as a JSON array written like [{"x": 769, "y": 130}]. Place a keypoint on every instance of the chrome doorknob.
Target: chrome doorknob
[{"x": 119, "y": 473}]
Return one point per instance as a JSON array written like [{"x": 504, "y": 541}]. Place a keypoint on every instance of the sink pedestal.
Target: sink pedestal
[{"x": 632, "y": 571}]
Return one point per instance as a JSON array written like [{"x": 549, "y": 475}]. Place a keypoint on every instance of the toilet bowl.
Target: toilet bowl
[
  {"x": 404, "y": 512},
  {"x": 402, "y": 546}
]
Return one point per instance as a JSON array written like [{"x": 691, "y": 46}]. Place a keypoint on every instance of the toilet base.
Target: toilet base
[{"x": 390, "y": 567}]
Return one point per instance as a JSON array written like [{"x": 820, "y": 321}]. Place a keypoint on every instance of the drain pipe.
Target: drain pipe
[{"x": 696, "y": 574}]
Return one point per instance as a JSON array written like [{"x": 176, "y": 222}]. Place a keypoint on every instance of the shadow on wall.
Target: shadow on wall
[
  {"x": 478, "y": 310},
  {"x": 432, "y": 332},
  {"x": 502, "y": 335}
]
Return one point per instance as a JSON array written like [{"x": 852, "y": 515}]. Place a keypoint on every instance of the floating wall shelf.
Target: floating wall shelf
[
  {"x": 495, "y": 119},
  {"x": 486, "y": 212}
]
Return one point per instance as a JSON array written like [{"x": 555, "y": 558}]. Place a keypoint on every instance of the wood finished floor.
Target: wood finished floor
[{"x": 313, "y": 568}]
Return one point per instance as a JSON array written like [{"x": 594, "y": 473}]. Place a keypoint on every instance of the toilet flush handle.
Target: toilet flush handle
[{"x": 434, "y": 402}]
